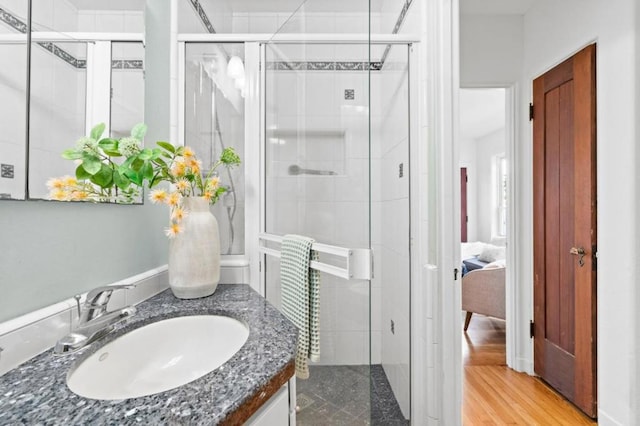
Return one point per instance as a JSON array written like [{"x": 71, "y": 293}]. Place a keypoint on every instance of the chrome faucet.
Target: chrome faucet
[{"x": 94, "y": 320}]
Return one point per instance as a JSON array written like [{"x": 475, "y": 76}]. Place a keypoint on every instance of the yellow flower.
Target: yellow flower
[
  {"x": 158, "y": 196},
  {"x": 195, "y": 165},
  {"x": 179, "y": 168},
  {"x": 188, "y": 153},
  {"x": 214, "y": 183},
  {"x": 178, "y": 214},
  {"x": 59, "y": 194},
  {"x": 55, "y": 183},
  {"x": 173, "y": 199},
  {"x": 69, "y": 181},
  {"x": 173, "y": 230},
  {"x": 79, "y": 195},
  {"x": 207, "y": 195},
  {"x": 182, "y": 185}
]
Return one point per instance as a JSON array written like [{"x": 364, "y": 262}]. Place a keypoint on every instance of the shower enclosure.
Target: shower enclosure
[
  {"x": 321, "y": 118},
  {"x": 337, "y": 169}
]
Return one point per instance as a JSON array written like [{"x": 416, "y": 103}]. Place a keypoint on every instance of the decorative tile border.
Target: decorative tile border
[
  {"x": 203, "y": 16},
  {"x": 17, "y": 24},
  {"x": 12, "y": 21},
  {"x": 322, "y": 66},
  {"x": 396, "y": 28},
  {"x": 317, "y": 65}
]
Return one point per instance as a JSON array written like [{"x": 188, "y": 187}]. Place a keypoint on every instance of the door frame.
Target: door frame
[{"x": 516, "y": 333}]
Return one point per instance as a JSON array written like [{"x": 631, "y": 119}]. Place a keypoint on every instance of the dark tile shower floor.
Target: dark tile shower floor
[{"x": 344, "y": 395}]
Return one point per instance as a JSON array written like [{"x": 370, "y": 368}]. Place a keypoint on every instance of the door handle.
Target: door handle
[{"x": 578, "y": 251}]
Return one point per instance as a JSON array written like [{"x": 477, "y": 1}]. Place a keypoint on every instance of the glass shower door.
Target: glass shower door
[
  {"x": 337, "y": 169},
  {"x": 317, "y": 167}
]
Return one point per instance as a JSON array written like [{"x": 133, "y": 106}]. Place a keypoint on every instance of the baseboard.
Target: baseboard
[
  {"x": 24, "y": 337},
  {"x": 524, "y": 365},
  {"x": 605, "y": 420}
]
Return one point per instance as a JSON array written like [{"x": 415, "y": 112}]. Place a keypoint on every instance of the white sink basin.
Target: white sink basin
[{"x": 158, "y": 357}]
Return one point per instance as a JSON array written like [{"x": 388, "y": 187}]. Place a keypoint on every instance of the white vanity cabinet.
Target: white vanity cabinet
[{"x": 280, "y": 410}]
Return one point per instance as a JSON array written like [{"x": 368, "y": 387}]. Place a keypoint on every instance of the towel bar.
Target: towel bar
[{"x": 359, "y": 262}]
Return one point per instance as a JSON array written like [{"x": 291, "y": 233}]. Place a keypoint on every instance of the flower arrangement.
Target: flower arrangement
[{"x": 114, "y": 170}]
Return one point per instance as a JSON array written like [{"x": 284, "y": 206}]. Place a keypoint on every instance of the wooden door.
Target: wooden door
[
  {"x": 464, "y": 214},
  {"x": 564, "y": 161}
]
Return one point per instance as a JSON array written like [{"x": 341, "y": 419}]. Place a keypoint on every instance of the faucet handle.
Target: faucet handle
[{"x": 100, "y": 296}]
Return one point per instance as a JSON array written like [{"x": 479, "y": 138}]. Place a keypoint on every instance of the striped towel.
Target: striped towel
[{"x": 301, "y": 297}]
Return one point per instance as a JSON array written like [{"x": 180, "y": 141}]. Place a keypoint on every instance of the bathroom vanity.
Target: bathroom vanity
[{"x": 252, "y": 387}]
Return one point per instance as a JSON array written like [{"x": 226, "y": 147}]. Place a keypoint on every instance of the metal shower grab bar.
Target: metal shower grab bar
[{"x": 359, "y": 262}]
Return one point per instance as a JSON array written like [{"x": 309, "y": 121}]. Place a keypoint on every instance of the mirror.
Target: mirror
[
  {"x": 86, "y": 68},
  {"x": 13, "y": 92}
]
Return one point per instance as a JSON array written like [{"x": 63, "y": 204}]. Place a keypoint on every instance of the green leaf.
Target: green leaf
[
  {"x": 147, "y": 171},
  {"x": 104, "y": 177},
  {"x": 91, "y": 164},
  {"x": 97, "y": 131},
  {"x": 121, "y": 181},
  {"x": 127, "y": 163},
  {"x": 81, "y": 173},
  {"x": 139, "y": 130},
  {"x": 157, "y": 152},
  {"x": 72, "y": 154},
  {"x": 137, "y": 164},
  {"x": 166, "y": 145},
  {"x": 108, "y": 144},
  {"x": 133, "y": 177},
  {"x": 112, "y": 153},
  {"x": 160, "y": 162},
  {"x": 145, "y": 154}
]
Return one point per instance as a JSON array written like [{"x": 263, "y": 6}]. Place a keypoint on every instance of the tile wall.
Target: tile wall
[{"x": 13, "y": 82}]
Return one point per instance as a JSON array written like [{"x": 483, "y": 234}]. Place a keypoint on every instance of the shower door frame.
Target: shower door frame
[
  {"x": 416, "y": 353},
  {"x": 255, "y": 183}
]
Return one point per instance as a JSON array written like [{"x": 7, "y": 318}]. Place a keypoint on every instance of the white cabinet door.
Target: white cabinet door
[{"x": 274, "y": 412}]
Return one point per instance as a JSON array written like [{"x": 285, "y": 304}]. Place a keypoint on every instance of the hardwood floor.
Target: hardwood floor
[{"x": 493, "y": 394}]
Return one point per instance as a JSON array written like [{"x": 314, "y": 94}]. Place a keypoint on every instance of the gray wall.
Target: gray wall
[{"x": 53, "y": 250}]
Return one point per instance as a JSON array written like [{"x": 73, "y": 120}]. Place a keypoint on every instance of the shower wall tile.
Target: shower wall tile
[
  {"x": 42, "y": 16},
  {"x": 376, "y": 347},
  {"x": 109, "y": 22},
  {"x": 352, "y": 224},
  {"x": 320, "y": 94},
  {"x": 351, "y": 348},
  {"x": 65, "y": 16},
  {"x": 353, "y": 22},
  {"x": 240, "y": 23},
  {"x": 13, "y": 154},
  {"x": 263, "y": 23},
  {"x": 16, "y": 7},
  {"x": 354, "y": 185},
  {"x": 318, "y": 220},
  {"x": 376, "y": 309},
  {"x": 327, "y": 304},
  {"x": 351, "y": 308},
  {"x": 134, "y": 22},
  {"x": 319, "y": 188}
]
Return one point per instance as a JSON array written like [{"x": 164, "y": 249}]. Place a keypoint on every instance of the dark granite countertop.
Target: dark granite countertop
[{"x": 36, "y": 391}]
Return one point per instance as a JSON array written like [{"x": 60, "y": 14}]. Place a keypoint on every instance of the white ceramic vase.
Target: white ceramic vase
[{"x": 194, "y": 254}]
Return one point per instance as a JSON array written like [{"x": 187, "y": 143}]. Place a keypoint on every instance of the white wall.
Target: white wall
[
  {"x": 490, "y": 50},
  {"x": 487, "y": 148},
  {"x": 554, "y": 31}
]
